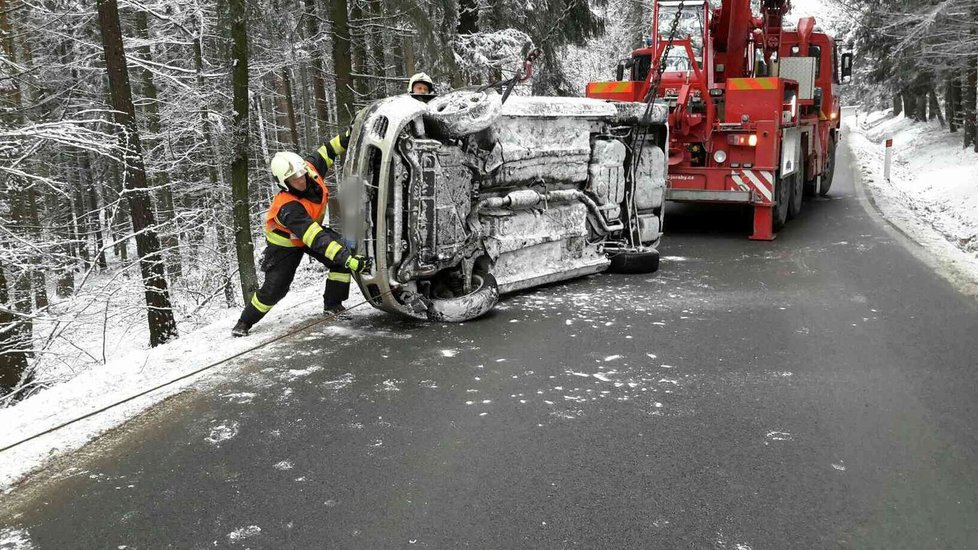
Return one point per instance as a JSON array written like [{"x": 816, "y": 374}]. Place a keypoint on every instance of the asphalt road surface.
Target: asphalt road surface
[{"x": 818, "y": 391}]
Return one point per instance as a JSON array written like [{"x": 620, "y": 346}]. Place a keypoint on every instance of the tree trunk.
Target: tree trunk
[
  {"x": 37, "y": 271},
  {"x": 318, "y": 74},
  {"x": 407, "y": 46},
  {"x": 970, "y": 105},
  {"x": 468, "y": 16},
  {"x": 13, "y": 360},
  {"x": 60, "y": 208},
  {"x": 159, "y": 179},
  {"x": 378, "y": 67},
  {"x": 120, "y": 222},
  {"x": 909, "y": 105},
  {"x": 284, "y": 111},
  {"x": 22, "y": 194},
  {"x": 262, "y": 131},
  {"x": 93, "y": 216},
  {"x": 18, "y": 332},
  {"x": 950, "y": 89},
  {"x": 244, "y": 246},
  {"x": 897, "y": 104},
  {"x": 162, "y": 326},
  {"x": 293, "y": 124},
  {"x": 81, "y": 211},
  {"x": 342, "y": 63},
  {"x": 935, "y": 108},
  {"x": 308, "y": 121},
  {"x": 359, "y": 51},
  {"x": 217, "y": 195}
]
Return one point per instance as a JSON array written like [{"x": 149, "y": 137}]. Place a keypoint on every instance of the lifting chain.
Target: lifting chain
[
  {"x": 654, "y": 89},
  {"x": 637, "y": 142}
]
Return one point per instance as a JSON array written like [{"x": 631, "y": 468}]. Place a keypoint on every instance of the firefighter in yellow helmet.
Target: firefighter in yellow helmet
[{"x": 294, "y": 228}]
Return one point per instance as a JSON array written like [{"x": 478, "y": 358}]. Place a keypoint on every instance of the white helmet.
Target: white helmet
[
  {"x": 424, "y": 79},
  {"x": 285, "y": 165}
]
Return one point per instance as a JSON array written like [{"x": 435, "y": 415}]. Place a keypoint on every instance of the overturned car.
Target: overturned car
[{"x": 464, "y": 198}]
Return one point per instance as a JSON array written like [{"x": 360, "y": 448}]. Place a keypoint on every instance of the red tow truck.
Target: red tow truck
[{"x": 754, "y": 107}]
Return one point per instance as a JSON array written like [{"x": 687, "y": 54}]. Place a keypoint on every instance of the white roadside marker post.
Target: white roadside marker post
[{"x": 887, "y": 159}]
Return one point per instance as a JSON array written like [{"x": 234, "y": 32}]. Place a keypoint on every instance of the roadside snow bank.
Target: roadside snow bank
[
  {"x": 932, "y": 195},
  {"x": 137, "y": 371}
]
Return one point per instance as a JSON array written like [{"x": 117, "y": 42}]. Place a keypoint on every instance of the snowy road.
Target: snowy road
[{"x": 814, "y": 392}]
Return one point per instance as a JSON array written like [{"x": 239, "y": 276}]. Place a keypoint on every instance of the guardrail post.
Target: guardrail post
[{"x": 887, "y": 159}]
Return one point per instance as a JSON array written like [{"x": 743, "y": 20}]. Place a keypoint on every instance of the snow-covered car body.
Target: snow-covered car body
[{"x": 463, "y": 198}]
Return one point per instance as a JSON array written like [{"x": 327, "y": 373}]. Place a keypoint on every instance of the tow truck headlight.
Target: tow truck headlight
[
  {"x": 720, "y": 156},
  {"x": 752, "y": 140}
]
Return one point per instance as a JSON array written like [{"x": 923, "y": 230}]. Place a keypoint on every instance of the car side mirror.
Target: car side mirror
[
  {"x": 620, "y": 71},
  {"x": 846, "y": 68}
]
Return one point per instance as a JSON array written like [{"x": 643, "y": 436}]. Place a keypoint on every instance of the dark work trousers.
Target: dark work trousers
[{"x": 279, "y": 264}]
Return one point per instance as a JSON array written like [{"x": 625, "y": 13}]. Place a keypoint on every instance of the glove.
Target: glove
[{"x": 359, "y": 263}]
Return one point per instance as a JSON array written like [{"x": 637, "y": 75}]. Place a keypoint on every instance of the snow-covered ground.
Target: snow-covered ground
[
  {"x": 932, "y": 195},
  {"x": 133, "y": 368}
]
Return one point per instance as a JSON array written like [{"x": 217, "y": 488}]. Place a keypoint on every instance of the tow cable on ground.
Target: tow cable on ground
[{"x": 301, "y": 328}]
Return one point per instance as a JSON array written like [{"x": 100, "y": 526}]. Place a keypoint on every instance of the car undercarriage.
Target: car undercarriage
[{"x": 464, "y": 198}]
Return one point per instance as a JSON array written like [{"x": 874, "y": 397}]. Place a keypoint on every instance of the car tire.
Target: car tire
[
  {"x": 463, "y": 112},
  {"x": 634, "y": 262},
  {"x": 476, "y": 303}
]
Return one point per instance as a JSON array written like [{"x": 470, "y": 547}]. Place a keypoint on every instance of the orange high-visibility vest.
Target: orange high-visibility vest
[{"x": 275, "y": 231}]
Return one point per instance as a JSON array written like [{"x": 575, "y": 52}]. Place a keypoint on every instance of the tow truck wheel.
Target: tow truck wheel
[
  {"x": 782, "y": 201},
  {"x": 797, "y": 192},
  {"x": 450, "y": 304},
  {"x": 829, "y": 171}
]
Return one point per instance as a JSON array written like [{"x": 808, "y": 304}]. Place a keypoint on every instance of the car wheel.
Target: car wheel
[
  {"x": 449, "y": 305},
  {"x": 460, "y": 113},
  {"x": 634, "y": 261}
]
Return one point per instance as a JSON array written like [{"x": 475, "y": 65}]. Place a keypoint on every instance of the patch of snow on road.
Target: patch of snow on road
[
  {"x": 15, "y": 539},
  {"x": 392, "y": 385},
  {"x": 602, "y": 376},
  {"x": 449, "y": 352},
  {"x": 340, "y": 382},
  {"x": 223, "y": 432},
  {"x": 840, "y": 466},
  {"x": 612, "y": 358},
  {"x": 241, "y": 398},
  {"x": 294, "y": 374},
  {"x": 779, "y": 436},
  {"x": 283, "y": 465},
  {"x": 244, "y": 533}
]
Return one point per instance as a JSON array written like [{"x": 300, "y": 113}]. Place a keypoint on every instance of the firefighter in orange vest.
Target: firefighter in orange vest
[{"x": 293, "y": 228}]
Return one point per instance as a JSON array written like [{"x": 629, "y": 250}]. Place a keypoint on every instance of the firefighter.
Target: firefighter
[
  {"x": 293, "y": 229},
  {"x": 421, "y": 87}
]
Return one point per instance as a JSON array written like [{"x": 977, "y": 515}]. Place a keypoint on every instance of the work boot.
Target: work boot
[
  {"x": 240, "y": 329},
  {"x": 336, "y": 311}
]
